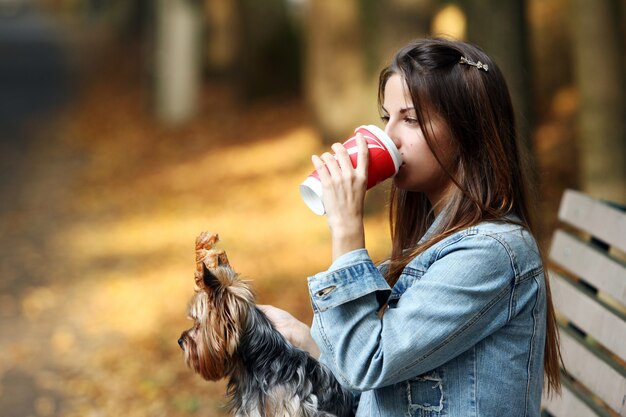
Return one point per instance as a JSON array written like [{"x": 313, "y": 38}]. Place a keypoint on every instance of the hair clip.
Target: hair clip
[{"x": 478, "y": 64}]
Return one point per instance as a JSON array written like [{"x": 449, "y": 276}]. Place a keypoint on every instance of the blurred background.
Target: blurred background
[{"x": 127, "y": 127}]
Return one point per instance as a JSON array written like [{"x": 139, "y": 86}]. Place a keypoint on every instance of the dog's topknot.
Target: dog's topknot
[{"x": 207, "y": 256}]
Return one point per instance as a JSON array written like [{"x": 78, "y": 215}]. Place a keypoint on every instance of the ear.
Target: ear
[{"x": 211, "y": 281}]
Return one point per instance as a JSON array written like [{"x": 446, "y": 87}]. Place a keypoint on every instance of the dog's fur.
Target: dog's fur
[{"x": 231, "y": 338}]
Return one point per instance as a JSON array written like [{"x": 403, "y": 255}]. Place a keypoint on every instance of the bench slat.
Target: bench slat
[
  {"x": 589, "y": 315},
  {"x": 593, "y": 369},
  {"x": 590, "y": 264},
  {"x": 594, "y": 217},
  {"x": 598, "y": 376},
  {"x": 567, "y": 405}
]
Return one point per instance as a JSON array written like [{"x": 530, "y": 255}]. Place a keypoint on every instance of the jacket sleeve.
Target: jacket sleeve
[{"x": 460, "y": 299}]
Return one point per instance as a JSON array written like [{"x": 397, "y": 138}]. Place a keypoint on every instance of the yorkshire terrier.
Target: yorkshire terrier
[{"x": 231, "y": 338}]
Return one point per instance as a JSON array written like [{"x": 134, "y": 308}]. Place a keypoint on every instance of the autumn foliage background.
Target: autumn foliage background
[
  {"x": 98, "y": 229},
  {"x": 99, "y": 209}
]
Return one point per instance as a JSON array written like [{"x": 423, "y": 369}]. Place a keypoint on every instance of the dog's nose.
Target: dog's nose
[{"x": 181, "y": 343}]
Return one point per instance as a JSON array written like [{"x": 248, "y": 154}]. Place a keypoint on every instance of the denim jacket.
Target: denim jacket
[{"x": 463, "y": 334}]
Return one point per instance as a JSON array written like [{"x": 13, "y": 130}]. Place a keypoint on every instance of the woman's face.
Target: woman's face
[{"x": 420, "y": 171}]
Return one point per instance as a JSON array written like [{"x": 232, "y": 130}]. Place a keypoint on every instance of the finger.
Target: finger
[
  {"x": 331, "y": 164},
  {"x": 275, "y": 314},
  {"x": 343, "y": 158},
  {"x": 363, "y": 157},
  {"x": 268, "y": 311},
  {"x": 320, "y": 167}
]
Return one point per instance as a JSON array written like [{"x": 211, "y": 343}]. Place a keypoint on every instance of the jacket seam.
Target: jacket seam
[
  {"x": 530, "y": 350},
  {"x": 533, "y": 273},
  {"x": 499, "y": 296},
  {"x": 475, "y": 382},
  {"x": 332, "y": 352},
  {"x": 345, "y": 273},
  {"x": 509, "y": 251},
  {"x": 452, "y": 337},
  {"x": 446, "y": 243},
  {"x": 413, "y": 272}
]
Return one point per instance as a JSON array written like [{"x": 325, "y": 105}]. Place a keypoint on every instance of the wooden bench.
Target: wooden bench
[{"x": 588, "y": 278}]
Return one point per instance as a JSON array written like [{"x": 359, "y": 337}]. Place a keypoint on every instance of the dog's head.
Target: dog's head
[{"x": 219, "y": 311}]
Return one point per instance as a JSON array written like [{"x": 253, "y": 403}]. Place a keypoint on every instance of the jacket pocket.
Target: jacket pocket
[{"x": 425, "y": 396}]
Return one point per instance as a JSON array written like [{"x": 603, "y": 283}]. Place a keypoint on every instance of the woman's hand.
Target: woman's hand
[
  {"x": 296, "y": 332},
  {"x": 343, "y": 193}
]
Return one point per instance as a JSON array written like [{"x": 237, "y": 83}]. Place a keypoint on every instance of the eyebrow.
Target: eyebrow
[{"x": 402, "y": 110}]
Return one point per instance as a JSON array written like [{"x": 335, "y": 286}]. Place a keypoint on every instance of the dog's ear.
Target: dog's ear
[{"x": 210, "y": 281}]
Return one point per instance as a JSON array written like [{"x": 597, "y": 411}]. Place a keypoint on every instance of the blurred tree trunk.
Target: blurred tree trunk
[
  {"x": 223, "y": 35},
  {"x": 398, "y": 22},
  {"x": 335, "y": 67},
  {"x": 348, "y": 42},
  {"x": 500, "y": 29},
  {"x": 269, "y": 54},
  {"x": 254, "y": 46},
  {"x": 599, "y": 58},
  {"x": 177, "y": 59}
]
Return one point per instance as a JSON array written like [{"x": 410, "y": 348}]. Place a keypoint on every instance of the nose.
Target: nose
[
  {"x": 392, "y": 136},
  {"x": 181, "y": 343}
]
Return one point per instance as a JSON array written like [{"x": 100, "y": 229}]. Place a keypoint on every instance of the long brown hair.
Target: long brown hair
[{"x": 490, "y": 179}]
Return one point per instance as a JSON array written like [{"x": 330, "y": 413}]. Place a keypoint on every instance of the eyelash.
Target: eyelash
[{"x": 408, "y": 120}]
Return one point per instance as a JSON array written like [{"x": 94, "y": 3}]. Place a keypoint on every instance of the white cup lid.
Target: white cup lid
[{"x": 311, "y": 192}]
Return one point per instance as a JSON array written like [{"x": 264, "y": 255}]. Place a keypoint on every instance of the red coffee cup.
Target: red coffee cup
[{"x": 384, "y": 162}]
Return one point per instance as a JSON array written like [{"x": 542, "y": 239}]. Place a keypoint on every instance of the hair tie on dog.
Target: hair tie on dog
[{"x": 478, "y": 64}]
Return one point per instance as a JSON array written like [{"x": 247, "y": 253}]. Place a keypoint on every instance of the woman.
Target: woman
[{"x": 459, "y": 320}]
